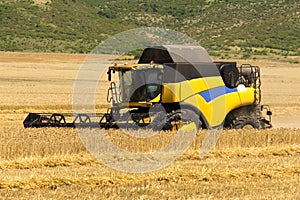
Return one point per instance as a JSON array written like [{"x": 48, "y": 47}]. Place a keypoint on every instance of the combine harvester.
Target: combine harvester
[{"x": 172, "y": 86}]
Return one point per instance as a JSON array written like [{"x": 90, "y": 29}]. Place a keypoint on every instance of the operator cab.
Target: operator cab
[{"x": 139, "y": 83}]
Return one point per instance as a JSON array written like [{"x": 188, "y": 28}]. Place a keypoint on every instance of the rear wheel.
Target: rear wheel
[{"x": 245, "y": 122}]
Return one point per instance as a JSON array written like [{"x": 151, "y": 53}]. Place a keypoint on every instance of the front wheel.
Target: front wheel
[{"x": 184, "y": 120}]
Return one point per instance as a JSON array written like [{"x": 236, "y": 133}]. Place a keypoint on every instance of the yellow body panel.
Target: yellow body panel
[
  {"x": 142, "y": 103},
  {"x": 214, "y": 112},
  {"x": 176, "y": 92},
  {"x": 232, "y": 101},
  {"x": 247, "y": 96},
  {"x": 191, "y": 87},
  {"x": 156, "y": 99},
  {"x": 170, "y": 93},
  {"x": 215, "y": 109}
]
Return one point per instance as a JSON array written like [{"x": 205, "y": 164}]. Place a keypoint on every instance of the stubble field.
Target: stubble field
[{"x": 53, "y": 163}]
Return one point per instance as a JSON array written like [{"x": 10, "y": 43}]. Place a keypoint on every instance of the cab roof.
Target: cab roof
[
  {"x": 175, "y": 54},
  {"x": 168, "y": 54}
]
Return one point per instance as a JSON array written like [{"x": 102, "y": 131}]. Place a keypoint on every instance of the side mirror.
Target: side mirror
[
  {"x": 109, "y": 75},
  {"x": 269, "y": 112}
]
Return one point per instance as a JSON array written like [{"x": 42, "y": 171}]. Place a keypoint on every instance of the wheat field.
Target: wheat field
[{"x": 52, "y": 163}]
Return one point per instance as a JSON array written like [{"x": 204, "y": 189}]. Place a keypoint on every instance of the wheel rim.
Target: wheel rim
[{"x": 248, "y": 126}]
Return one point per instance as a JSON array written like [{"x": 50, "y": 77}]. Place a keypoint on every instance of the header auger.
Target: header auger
[{"x": 170, "y": 87}]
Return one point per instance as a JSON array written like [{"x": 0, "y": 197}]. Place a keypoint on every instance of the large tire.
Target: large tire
[
  {"x": 159, "y": 121},
  {"x": 185, "y": 116},
  {"x": 245, "y": 121},
  {"x": 189, "y": 115}
]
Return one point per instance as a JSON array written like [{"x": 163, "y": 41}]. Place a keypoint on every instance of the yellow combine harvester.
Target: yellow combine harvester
[{"x": 173, "y": 85}]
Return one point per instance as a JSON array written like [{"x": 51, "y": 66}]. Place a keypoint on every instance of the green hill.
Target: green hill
[{"x": 222, "y": 26}]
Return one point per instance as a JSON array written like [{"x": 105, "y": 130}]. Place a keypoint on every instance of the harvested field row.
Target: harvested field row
[
  {"x": 17, "y": 142},
  {"x": 240, "y": 189},
  {"x": 204, "y": 175},
  {"x": 85, "y": 158}
]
